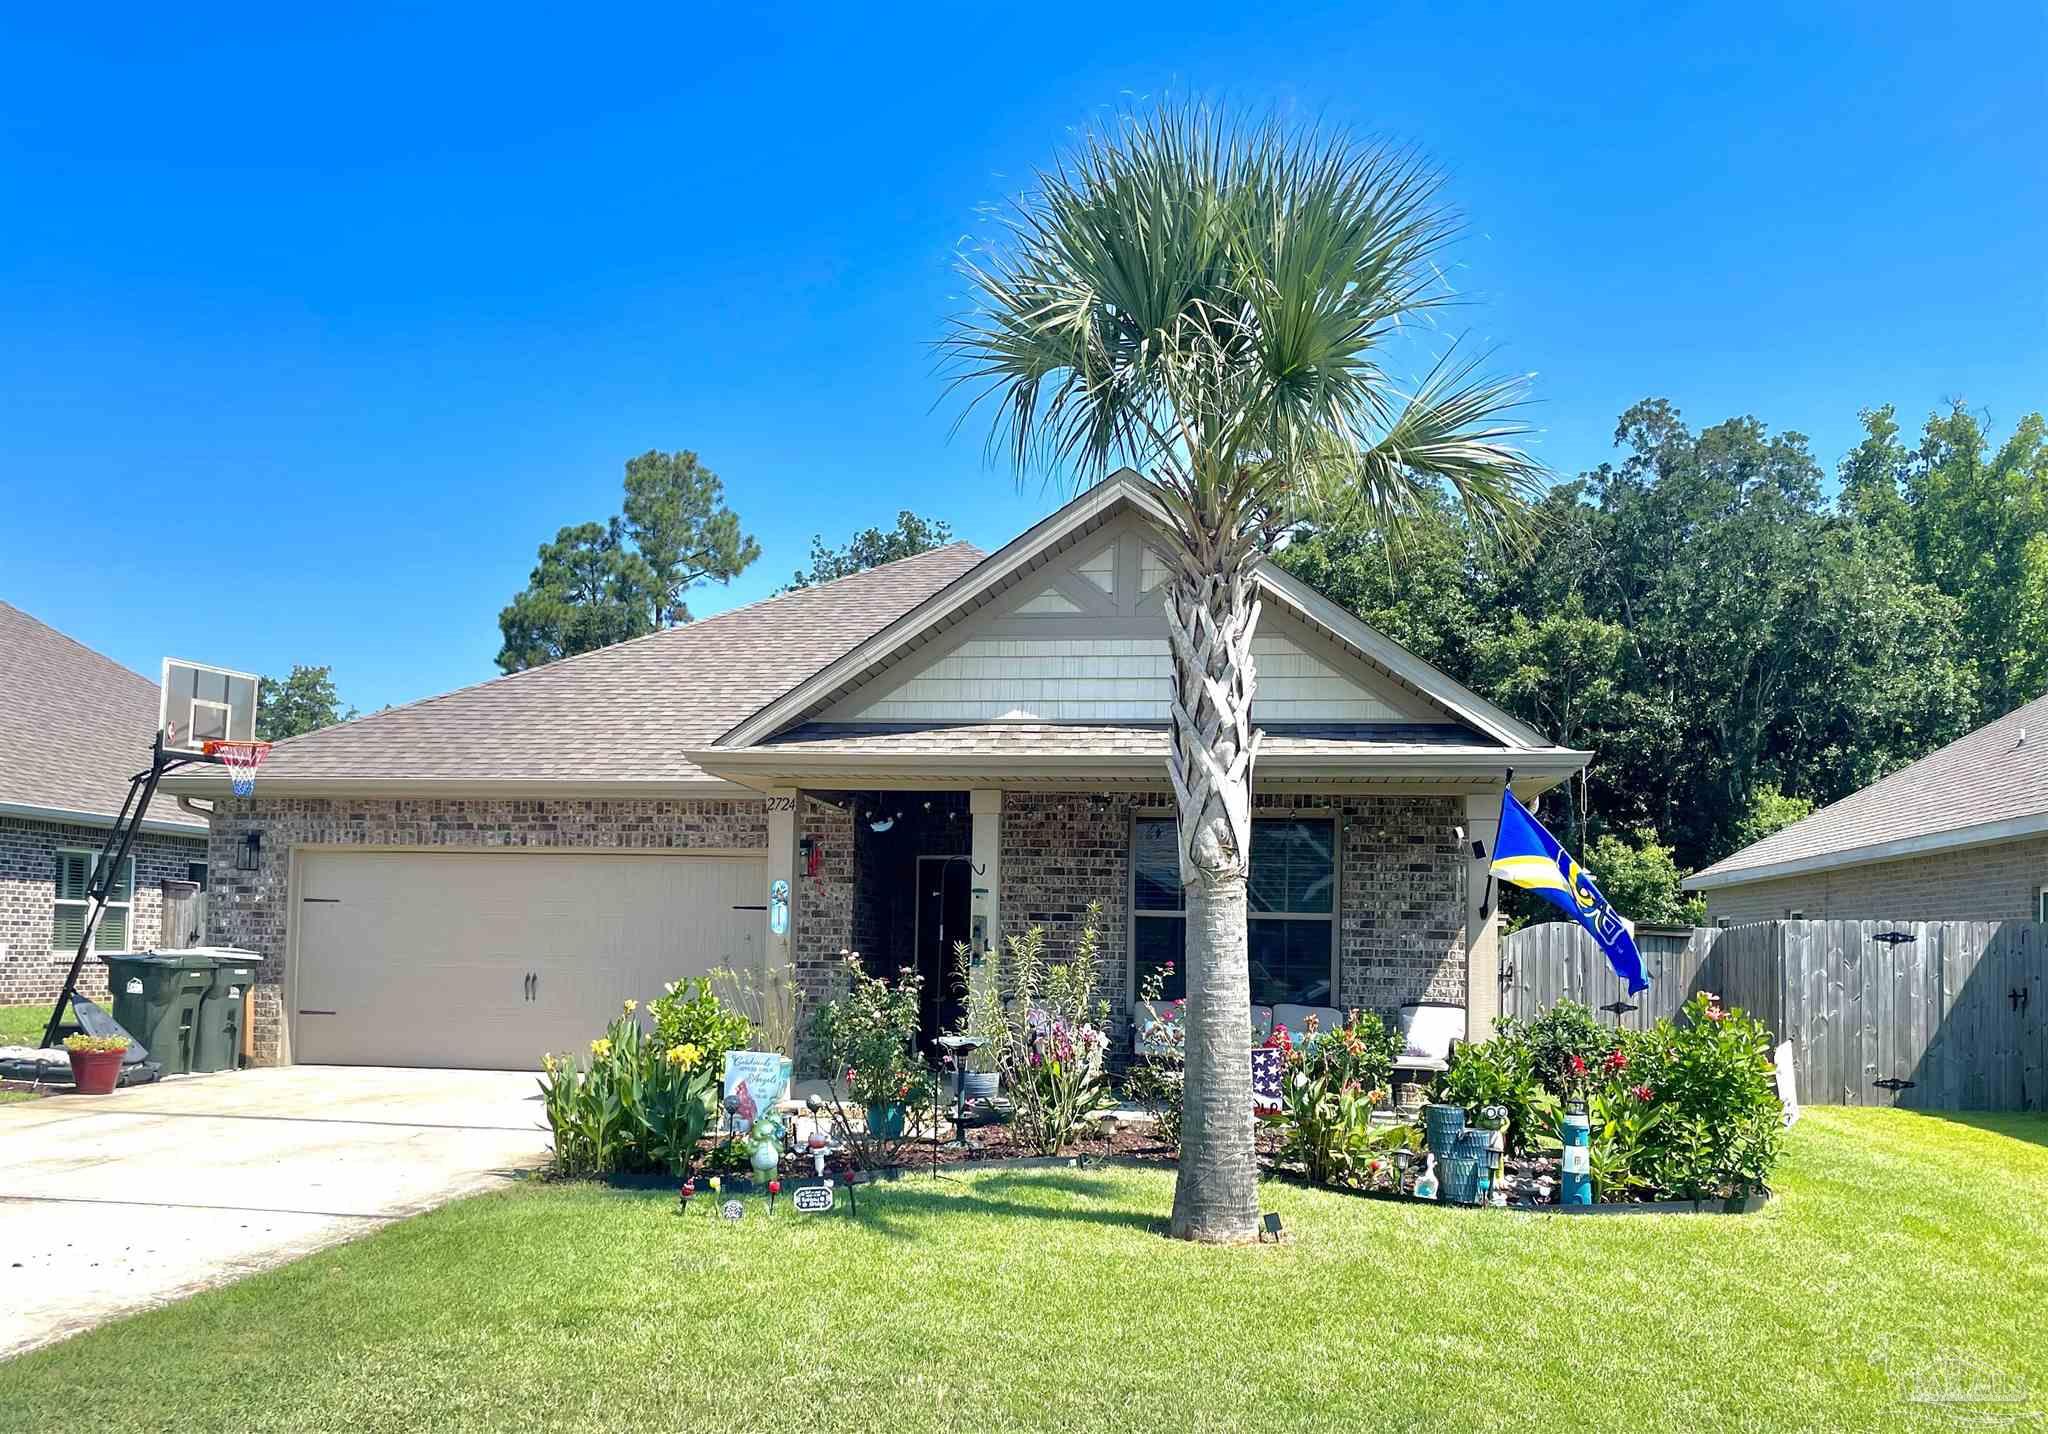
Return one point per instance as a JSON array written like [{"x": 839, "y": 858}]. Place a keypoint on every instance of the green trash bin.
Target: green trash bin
[
  {"x": 219, "y": 1047},
  {"x": 157, "y": 998}
]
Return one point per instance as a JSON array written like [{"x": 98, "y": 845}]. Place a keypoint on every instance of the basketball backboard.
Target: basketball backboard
[{"x": 200, "y": 704}]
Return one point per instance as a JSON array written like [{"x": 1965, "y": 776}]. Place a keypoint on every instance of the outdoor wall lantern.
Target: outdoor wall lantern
[{"x": 248, "y": 857}]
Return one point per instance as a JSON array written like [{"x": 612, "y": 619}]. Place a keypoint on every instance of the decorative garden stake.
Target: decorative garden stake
[
  {"x": 774, "y": 1189},
  {"x": 1425, "y": 1183},
  {"x": 713, "y": 1182},
  {"x": 683, "y": 1200},
  {"x": 1577, "y": 1187}
]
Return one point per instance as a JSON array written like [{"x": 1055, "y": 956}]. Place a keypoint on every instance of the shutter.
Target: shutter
[
  {"x": 113, "y": 932},
  {"x": 70, "y": 927},
  {"x": 74, "y": 873},
  {"x": 124, "y": 884}
]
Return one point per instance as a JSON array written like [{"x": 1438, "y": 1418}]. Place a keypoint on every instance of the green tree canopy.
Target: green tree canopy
[
  {"x": 601, "y": 583},
  {"x": 1637, "y": 874},
  {"x": 871, "y": 547},
  {"x": 589, "y": 590},
  {"x": 677, "y": 518},
  {"x": 303, "y": 702}
]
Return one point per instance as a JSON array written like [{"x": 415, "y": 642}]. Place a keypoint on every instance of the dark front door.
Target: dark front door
[{"x": 942, "y": 915}]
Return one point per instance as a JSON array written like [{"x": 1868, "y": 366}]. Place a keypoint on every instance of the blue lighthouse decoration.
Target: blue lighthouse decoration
[{"x": 1577, "y": 1186}]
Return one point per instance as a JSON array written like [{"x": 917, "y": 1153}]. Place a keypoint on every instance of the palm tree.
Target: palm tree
[{"x": 1208, "y": 303}]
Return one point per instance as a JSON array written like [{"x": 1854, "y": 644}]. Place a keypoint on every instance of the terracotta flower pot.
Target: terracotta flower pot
[{"x": 95, "y": 1072}]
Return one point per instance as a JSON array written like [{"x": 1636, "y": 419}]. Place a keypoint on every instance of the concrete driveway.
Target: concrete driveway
[{"x": 115, "y": 1203}]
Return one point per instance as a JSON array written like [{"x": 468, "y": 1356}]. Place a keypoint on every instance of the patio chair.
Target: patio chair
[{"x": 1428, "y": 1031}]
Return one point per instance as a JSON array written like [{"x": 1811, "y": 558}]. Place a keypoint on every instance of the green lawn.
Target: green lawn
[
  {"x": 23, "y": 1025},
  {"x": 1049, "y": 1300}
]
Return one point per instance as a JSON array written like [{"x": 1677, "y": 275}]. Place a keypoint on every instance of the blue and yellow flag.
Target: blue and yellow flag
[{"x": 1527, "y": 856}]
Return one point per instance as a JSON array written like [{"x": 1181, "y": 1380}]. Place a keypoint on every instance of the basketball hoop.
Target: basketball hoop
[{"x": 241, "y": 759}]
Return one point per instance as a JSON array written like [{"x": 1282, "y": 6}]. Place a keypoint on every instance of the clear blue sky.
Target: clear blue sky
[{"x": 412, "y": 288}]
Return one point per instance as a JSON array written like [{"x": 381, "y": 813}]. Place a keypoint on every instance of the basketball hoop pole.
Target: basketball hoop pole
[{"x": 134, "y": 809}]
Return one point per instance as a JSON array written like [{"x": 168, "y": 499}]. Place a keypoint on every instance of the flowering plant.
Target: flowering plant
[
  {"x": 866, "y": 1039},
  {"x": 1159, "y": 1080},
  {"x": 1334, "y": 1081},
  {"x": 691, "y": 1013},
  {"x": 1051, "y": 1045},
  {"x": 632, "y": 1105}
]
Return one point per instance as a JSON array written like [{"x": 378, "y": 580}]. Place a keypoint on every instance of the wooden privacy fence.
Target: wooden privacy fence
[{"x": 1957, "y": 1008}]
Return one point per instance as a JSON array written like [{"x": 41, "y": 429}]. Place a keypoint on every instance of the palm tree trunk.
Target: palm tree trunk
[{"x": 1210, "y": 620}]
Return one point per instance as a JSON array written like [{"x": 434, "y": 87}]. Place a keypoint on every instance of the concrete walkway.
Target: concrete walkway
[{"x": 110, "y": 1204}]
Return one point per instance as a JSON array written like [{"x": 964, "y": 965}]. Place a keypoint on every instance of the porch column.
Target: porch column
[
  {"x": 985, "y": 806},
  {"x": 775, "y": 946},
  {"x": 1482, "y": 936}
]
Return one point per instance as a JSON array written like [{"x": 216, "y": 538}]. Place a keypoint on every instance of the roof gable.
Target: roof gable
[
  {"x": 1083, "y": 639},
  {"x": 1061, "y": 556},
  {"x": 96, "y": 725},
  {"x": 1988, "y": 786}
]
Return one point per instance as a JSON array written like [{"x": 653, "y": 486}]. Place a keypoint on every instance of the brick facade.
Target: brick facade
[
  {"x": 248, "y": 908},
  {"x": 1400, "y": 908},
  {"x": 1401, "y": 904},
  {"x": 30, "y": 970},
  {"x": 1984, "y": 883}
]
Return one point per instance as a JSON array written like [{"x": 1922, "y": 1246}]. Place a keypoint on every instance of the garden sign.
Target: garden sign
[{"x": 756, "y": 1080}]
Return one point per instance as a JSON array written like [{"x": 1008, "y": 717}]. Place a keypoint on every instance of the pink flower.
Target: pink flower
[
  {"x": 1578, "y": 1065},
  {"x": 1617, "y": 1060},
  {"x": 1715, "y": 1013},
  {"x": 1643, "y": 1092}
]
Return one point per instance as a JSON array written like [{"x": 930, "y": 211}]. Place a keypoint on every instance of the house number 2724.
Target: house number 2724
[{"x": 782, "y": 804}]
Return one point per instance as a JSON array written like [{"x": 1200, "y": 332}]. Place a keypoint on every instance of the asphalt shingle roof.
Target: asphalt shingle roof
[
  {"x": 1987, "y": 777},
  {"x": 79, "y": 724},
  {"x": 626, "y": 712}
]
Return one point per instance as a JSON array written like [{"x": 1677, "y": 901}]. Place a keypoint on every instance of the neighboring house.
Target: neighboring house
[
  {"x": 1961, "y": 835},
  {"x": 949, "y": 747},
  {"x": 78, "y": 726}
]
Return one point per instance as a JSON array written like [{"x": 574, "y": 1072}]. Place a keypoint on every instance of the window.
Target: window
[
  {"x": 196, "y": 871},
  {"x": 74, "y": 900},
  {"x": 1292, "y": 936},
  {"x": 1794, "y": 913},
  {"x": 2041, "y": 904}
]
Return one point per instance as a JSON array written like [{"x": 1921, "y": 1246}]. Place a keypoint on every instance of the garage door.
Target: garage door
[{"x": 484, "y": 960}]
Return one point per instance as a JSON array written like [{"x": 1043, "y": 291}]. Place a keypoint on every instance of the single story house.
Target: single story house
[
  {"x": 1960, "y": 835},
  {"x": 79, "y": 725},
  {"x": 956, "y": 745}
]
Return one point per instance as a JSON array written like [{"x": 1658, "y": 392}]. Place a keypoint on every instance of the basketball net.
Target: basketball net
[{"x": 241, "y": 759}]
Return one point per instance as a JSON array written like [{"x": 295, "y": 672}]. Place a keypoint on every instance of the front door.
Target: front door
[{"x": 942, "y": 915}]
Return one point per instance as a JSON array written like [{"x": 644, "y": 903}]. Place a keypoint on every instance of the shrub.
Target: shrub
[
  {"x": 1553, "y": 1039},
  {"x": 1333, "y": 1082},
  {"x": 1158, "y": 1081},
  {"x": 96, "y": 1045},
  {"x": 1710, "y": 1079},
  {"x": 632, "y": 1105},
  {"x": 689, "y": 1013},
  {"x": 1052, "y": 1042},
  {"x": 981, "y": 1014},
  {"x": 1498, "y": 1072},
  {"x": 867, "y": 1040}
]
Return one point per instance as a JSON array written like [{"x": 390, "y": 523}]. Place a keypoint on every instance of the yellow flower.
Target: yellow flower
[
  {"x": 685, "y": 1056},
  {"x": 631, "y": 1007},
  {"x": 600, "y": 1047}
]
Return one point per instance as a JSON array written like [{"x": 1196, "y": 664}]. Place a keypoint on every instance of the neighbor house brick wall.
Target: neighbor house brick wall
[
  {"x": 30, "y": 970},
  {"x": 1982, "y": 883},
  {"x": 1401, "y": 905},
  {"x": 249, "y": 909}
]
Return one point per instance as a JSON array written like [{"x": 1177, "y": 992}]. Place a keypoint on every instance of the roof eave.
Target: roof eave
[
  {"x": 1471, "y": 770},
  {"x": 1983, "y": 834},
  {"x": 154, "y": 826},
  {"x": 553, "y": 788}
]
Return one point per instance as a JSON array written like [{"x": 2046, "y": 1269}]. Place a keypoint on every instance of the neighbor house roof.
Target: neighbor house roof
[
  {"x": 79, "y": 725},
  {"x": 622, "y": 716},
  {"x": 1989, "y": 786}
]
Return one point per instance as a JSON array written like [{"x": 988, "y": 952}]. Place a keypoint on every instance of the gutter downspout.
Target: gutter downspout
[{"x": 192, "y": 808}]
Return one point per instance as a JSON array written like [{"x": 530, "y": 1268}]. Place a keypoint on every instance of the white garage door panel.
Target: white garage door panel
[{"x": 422, "y": 958}]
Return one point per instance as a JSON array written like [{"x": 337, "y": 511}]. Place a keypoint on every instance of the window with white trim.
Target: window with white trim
[
  {"x": 195, "y": 871},
  {"x": 1292, "y": 923},
  {"x": 74, "y": 899},
  {"x": 2041, "y": 904}
]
